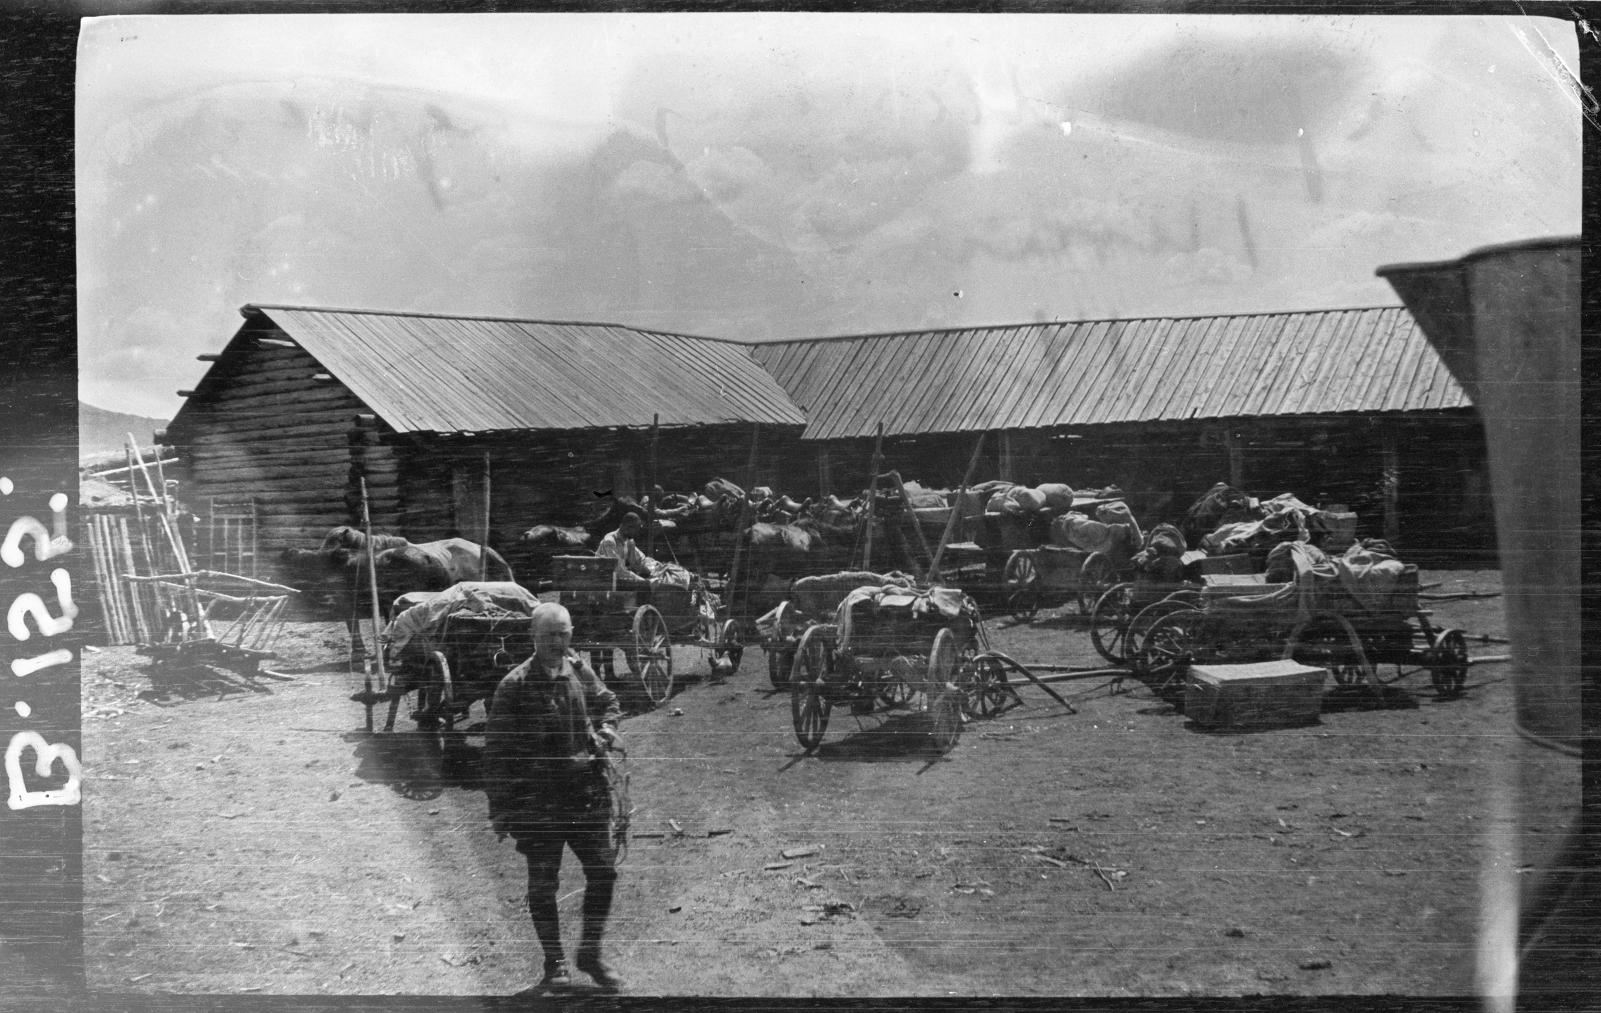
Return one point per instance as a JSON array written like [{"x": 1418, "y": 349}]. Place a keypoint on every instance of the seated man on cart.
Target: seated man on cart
[{"x": 634, "y": 568}]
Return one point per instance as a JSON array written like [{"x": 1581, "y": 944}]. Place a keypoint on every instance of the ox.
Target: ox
[{"x": 338, "y": 569}]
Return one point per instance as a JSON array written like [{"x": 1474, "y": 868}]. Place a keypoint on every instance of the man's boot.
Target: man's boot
[
  {"x": 547, "y": 926},
  {"x": 557, "y": 974},
  {"x": 589, "y": 961},
  {"x": 597, "y": 904}
]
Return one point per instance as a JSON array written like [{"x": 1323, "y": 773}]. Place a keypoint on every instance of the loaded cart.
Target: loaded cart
[
  {"x": 451, "y": 648},
  {"x": 892, "y": 646},
  {"x": 1346, "y": 616},
  {"x": 887, "y": 646},
  {"x": 1076, "y": 556},
  {"x": 643, "y": 620}
]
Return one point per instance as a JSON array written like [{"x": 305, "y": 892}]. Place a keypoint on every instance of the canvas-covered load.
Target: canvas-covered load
[
  {"x": 1118, "y": 538},
  {"x": 820, "y": 595},
  {"x": 872, "y": 611},
  {"x": 920, "y": 498},
  {"x": 1019, "y": 499},
  {"x": 424, "y": 612}
]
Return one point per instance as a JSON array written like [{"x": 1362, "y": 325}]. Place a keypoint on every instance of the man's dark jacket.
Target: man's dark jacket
[{"x": 537, "y": 746}]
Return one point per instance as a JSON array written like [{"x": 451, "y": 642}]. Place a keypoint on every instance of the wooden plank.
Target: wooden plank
[
  {"x": 97, "y": 551},
  {"x": 141, "y": 624}
]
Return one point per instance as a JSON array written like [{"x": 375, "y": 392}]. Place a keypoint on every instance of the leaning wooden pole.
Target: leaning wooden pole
[
  {"x": 744, "y": 514},
  {"x": 173, "y": 540},
  {"x": 956, "y": 506},
  {"x": 907, "y": 512},
  {"x": 483, "y": 546},
  {"x": 650, "y": 500},
  {"x": 872, "y": 498},
  {"x": 372, "y": 587}
]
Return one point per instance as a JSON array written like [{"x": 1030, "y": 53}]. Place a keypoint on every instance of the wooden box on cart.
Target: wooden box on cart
[{"x": 1268, "y": 694}]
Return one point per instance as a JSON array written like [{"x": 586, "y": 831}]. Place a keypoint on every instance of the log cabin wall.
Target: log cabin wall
[
  {"x": 263, "y": 428},
  {"x": 1440, "y": 506},
  {"x": 566, "y": 477}
]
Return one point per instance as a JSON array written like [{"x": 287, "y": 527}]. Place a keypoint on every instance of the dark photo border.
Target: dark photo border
[{"x": 41, "y": 932}]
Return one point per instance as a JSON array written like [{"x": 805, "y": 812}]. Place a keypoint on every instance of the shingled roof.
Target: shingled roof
[
  {"x": 1155, "y": 369},
  {"x": 425, "y": 373}
]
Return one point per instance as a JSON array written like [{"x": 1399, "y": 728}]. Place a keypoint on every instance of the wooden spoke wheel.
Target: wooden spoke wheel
[
  {"x": 809, "y": 704},
  {"x": 1448, "y": 662},
  {"x": 1095, "y": 578},
  {"x": 1166, "y": 651},
  {"x": 1109, "y": 622},
  {"x": 1329, "y": 642},
  {"x": 985, "y": 689},
  {"x": 435, "y": 695},
  {"x": 1142, "y": 622},
  {"x": 945, "y": 719},
  {"x": 779, "y": 663},
  {"x": 894, "y": 683},
  {"x": 1020, "y": 583},
  {"x": 945, "y": 699},
  {"x": 650, "y": 657},
  {"x": 729, "y": 645}
]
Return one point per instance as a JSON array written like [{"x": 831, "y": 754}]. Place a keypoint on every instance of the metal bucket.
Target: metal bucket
[{"x": 1505, "y": 320}]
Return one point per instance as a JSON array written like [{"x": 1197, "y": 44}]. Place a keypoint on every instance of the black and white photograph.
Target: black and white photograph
[{"x": 823, "y": 504}]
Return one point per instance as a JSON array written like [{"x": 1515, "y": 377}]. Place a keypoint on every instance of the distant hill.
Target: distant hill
[{"x": 102, "y": 433}]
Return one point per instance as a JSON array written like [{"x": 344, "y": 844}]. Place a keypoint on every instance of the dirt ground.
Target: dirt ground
[{"x": 246, "y": 835}]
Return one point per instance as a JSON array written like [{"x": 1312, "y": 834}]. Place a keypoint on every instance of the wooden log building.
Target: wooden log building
[
  {"x": 1345, "y": 407},
  {"x": 303, "y": 405},
  {"x": 1337, "y": 406}
]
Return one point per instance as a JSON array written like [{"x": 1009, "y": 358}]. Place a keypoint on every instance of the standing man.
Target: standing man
[{"x": 550, "y": 722}]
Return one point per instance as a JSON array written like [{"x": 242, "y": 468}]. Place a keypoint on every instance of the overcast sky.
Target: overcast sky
[{"x": 777, "y": 175}]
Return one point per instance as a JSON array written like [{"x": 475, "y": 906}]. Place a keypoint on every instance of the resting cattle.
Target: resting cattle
[{"x": 339, "y": 570}]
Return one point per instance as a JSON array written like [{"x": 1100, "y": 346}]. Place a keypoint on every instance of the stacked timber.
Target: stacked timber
[{"x": 121, "y": 542}]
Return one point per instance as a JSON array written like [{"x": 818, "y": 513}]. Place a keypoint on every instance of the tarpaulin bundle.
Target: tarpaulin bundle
[
  {"x": 821, "y": 594},
  {"x": 1370, "y": 573},
  {"x": 946, "y": 601},
  {"x": 1078, "y": 531},
  {"x": 1304, "y": 576},
  {"x": 1222, "y": 504},
  {"x": 424, "y": 611},
  {"x": 1276, "y": 519}
]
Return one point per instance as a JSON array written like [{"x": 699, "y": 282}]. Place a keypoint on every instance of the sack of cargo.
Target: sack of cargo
[
  {"x": 992, "y": 494},
  {"x": 1119, "y": 512},
  {"x": 1018, "y": 500},
  {"x": 1058, "y": 495},
  {"x": 920, "y": 498}
]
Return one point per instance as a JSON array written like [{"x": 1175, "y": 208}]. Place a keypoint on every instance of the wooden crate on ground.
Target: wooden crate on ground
[{"x": 1269, "y": 694}]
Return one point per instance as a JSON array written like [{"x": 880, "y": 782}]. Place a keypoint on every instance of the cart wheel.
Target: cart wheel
[
  {"x": 894, "y": 685},
  {"x": 1140, "y": 626},
  {"x": 433, "y": 696},
  {"x": 1329, "y": 642},
  {"x": 945, "y": 698},
  {"x": 1109, "y": 622},
  {"x": 1448, "y": 663},
  {"x": 985, "y": 689},
  {"x": 808, "y": 703},
  {"x": 1095, "y": 578},
  {"x": 731, "y": 647},
  {"x": 651, "y": 659},
  {"x": 945, "y": 719},
  {"x": 1166, "y": 650},
  {"x": 779, "y": 663},
  {"x": 1021, "y": 585}
]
